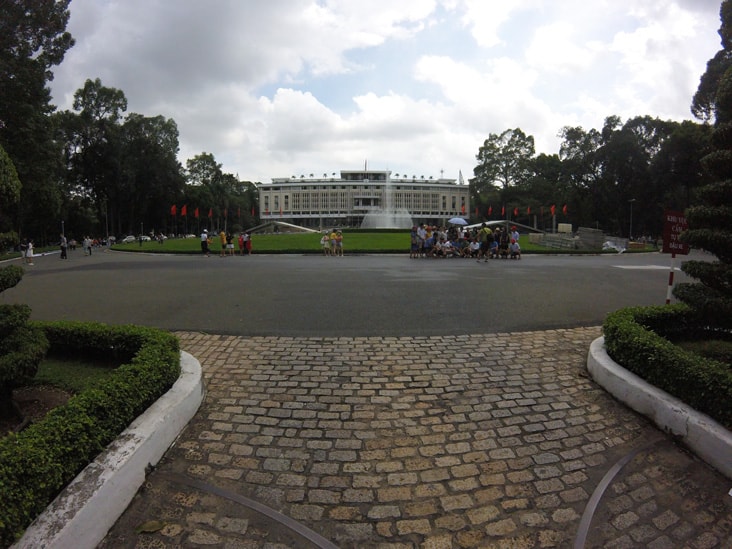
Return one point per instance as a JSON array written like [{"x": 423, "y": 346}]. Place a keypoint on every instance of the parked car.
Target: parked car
[{"x": 129, "y": 238}]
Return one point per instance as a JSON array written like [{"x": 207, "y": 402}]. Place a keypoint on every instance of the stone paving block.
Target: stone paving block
[{"x": 395, "y": 443}]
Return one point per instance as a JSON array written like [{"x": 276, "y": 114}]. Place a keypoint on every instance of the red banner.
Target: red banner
[
  {"x": 184, "y": 211},
  {"x": 173, "y": 210}
]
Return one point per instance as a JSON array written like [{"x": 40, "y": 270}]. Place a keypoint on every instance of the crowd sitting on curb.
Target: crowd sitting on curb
[{"x": 476, "y": 243}]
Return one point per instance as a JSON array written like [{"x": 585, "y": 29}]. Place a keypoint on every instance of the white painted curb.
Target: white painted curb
[
  {"x": 86, "y": 509},
  {"x": 707, "y": 438}
]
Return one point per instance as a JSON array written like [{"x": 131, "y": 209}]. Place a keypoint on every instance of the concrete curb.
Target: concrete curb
[
  {"x": 707, "y": 438},
  {"x": 86, "y": 509}
]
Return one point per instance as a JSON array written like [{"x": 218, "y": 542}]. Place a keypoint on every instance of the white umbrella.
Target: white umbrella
[{"x": 457, "y": 221}]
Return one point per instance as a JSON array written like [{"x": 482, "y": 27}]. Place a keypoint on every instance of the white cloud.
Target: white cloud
[{"x": 303, "y": 86}]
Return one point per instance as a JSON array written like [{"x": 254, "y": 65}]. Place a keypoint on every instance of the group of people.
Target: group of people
[
  {"x": 226, "y": 240},
  {"x": 332, "y": 243},
  {"x": 477, "y": 243}
]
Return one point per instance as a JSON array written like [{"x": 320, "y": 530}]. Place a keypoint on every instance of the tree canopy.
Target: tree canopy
[{"x": 33, "y": 39}]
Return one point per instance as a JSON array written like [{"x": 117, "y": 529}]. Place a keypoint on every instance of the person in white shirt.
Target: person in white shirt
[{"x": 204, "y": 243}]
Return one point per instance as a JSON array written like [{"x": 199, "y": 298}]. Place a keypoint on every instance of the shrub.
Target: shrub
[
  {"x": 22, "y": 345},
  {"x": 641, "y": 340},
  {"x": 38, "y": 462}
]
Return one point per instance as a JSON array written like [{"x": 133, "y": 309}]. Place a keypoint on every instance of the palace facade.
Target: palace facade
[{"x": 344, "y": 201}]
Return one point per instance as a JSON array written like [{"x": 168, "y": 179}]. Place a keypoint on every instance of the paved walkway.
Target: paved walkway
[{"x": 463, "y": 441}]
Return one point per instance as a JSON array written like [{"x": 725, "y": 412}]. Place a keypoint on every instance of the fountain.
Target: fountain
[{"x": 388, "y": 217}]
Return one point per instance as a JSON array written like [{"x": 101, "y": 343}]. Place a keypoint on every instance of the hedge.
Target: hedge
[
  {"x": 641, "y": 340},
  {"x": 37, "y": 463}
]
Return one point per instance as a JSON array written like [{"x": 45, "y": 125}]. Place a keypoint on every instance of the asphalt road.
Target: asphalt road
[{"x": 359, "y": 295}]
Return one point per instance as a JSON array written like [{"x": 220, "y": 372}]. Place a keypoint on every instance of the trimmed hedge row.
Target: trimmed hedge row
[
  {"x": 640, "y": 339},
  {"x": 38, "y": 462}
]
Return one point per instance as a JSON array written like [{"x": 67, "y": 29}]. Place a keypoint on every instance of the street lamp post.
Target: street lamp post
[{"x": 630, "y": 231}]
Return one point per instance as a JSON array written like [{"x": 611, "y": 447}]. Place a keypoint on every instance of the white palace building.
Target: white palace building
[{"x": 373, "y": 198}]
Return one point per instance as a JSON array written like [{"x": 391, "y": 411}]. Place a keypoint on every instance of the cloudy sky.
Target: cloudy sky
[{"x": 274, "y": 88}]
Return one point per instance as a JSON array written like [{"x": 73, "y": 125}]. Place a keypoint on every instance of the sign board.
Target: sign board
[{"x": 674, "y": 223}]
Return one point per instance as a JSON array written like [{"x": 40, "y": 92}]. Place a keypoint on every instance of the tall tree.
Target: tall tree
[
  {"x": 710, "y": 222},
  {"x": 676, "y": 171},
  {"x": 504, "y": 160},
  {"x": 704, "y": 102},
  {"x": 626, "y": 156},
  {"x": 33, "y": 39},
  {"x": 93, "y": 144},
  {"x": 579, "y": 153},
  {"x": 9, "y": 196},
  {"x": 152, "y": 177}
]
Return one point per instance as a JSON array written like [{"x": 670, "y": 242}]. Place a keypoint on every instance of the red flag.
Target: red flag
[
  {"x": 252, "y": 211},
  {"x": 528, "y": 210},
  {"x": 553, "y": 209},
  {"x": 210, "y": 212},
  {"x": 184, "y": 210},
  {"x": 226, "y": 212},
  {"x": 490, "y": 211},
  {"x": 462, "y": 209},
  {"x": 515, "y": 212},
  {"x": 503, "y": 210},
  {"x": 280, "y": 210},
  {"x": 173, "y": 210},
  {"x": 476, "y": 211},
  {"x": 564, "y": 209},
  {"x": 195, "y": 213}
]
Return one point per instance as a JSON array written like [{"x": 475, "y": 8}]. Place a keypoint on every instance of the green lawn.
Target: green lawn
[
  {"x": 73, "y": 375},
  {"x": 353, "y": 242},
  {"x": 357, "y": 241}
]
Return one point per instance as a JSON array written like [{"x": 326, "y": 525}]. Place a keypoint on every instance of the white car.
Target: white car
[{"x": 129, "y": 238}]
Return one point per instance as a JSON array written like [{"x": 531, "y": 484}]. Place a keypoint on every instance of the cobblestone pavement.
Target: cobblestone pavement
[{"x": 464, "y": 441}]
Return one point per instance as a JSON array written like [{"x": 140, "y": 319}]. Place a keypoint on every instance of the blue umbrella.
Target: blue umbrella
[{"x": 457, "y": 221}]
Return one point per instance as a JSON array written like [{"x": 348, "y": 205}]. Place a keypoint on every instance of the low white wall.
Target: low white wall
[
  {"x": 88, "y": 507},
  {"x": 707, "y": 438}
]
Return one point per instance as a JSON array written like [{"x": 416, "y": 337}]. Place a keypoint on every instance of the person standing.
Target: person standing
[
  {"x": 64, "y": 245},
  {"x": 339, "y": 243},
  {"x": 240, "y": 241},
  {"x": 230, "y": 244},
  {"x": 204, "y": 243},
  {"x": 514, "y": 234},
  {"x": 325, "y": 244},
  {"x": 29, "y": 252},
  {"x": 222, "y": 241},
  {"x": 422, "y": 235},
  {"x": 248, "y": 242},
  {"x": 413, "y": 244},
  {"x": 484, "y": 237},
  {"x": 332, "y": 237}
]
